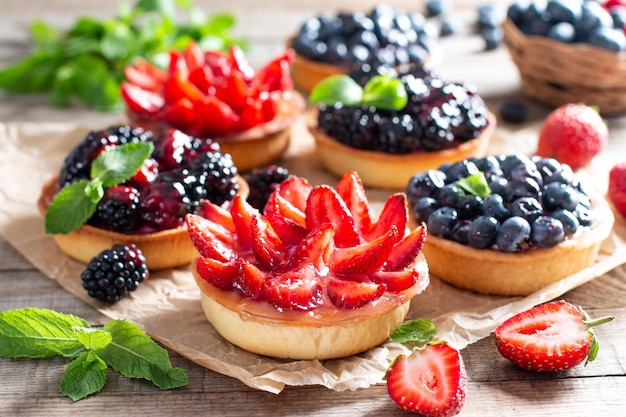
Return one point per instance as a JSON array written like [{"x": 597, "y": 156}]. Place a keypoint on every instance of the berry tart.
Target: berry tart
[
  {"x": 398, "y": 124},
  {"x": 175, "y": 175},
  {"x": 333, "y": 44},
  {"x": 507, "y": 224},
  {"x": 219, "y": 96},
  {"x": 312, "y": 276}
]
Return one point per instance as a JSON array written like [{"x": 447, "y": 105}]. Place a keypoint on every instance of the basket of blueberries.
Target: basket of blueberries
[{"x": 570, "y": 51}]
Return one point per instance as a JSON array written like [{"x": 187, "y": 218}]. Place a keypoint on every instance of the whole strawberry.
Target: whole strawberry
[
  {"x": 553, "y": 336},
  {"x": 617, "y": 187},
  {"x": 573, "y": 134},
  {"x": 432, "y": 380}
]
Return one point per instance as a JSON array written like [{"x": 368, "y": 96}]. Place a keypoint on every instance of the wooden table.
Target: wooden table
[{"x": 496, "y": 388}]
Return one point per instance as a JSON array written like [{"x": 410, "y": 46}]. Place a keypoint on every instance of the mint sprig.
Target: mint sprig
[
  {"x": 414, "y": 331},
  {"x": 121, "y": 345},
  {"x": 76, "y": 203},
  {"x": 475, "y": 184},
  {"x": 381, "y": 91}
]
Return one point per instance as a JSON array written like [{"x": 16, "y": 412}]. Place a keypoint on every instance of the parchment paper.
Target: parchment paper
[{"x": 168, "y": 308}]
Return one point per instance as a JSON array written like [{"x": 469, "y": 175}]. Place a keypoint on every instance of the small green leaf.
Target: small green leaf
[
  {"x": 43, "y": 34},
  {"x": 84, "y": 376},
  {"x": 118, "y": 41},
  {"x": 475, "y": 184},
  {"x": 337, "y": 89},
  {"x": 135, "y": 355},
  {"x": 92, "y": 338},
  {"x": 70, "y": 209},
  {"x": 120, "y": 163},
  {"x": 414, "y": 331},
  {"x": 39, "y": 333},
  {"x": 166, "y": 7},
  {"x": 385, "y": 92}
]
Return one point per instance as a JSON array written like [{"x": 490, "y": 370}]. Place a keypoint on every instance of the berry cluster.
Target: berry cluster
[
  {"x": 533, "y": 202},
  {"x": 263, "y": 181},
  {"x": 438, "y": 115},
  {"x": 182, "y": 171},
  {"x": 385, "y": 35},
  {"x": 601, "y": 24}
]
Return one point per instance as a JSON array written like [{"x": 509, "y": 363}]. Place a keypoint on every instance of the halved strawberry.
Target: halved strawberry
[
  {"x": 267, "y": 247},
  {"x": 219, "y": 274},
  {"x": 242, "y": 212},
  {"x": 239, "y": 62},
  {"x": 352, "y": 294},
  {"x": 431, "y": 381},
  {"x": 216, "y": 214},
  {"x": 203, "y": 79},
  {"x": 236, "y": 93},
  {"x": 194, "y": 57},
  {"x": 278, "y": 206},
  {"x": 295, "y": 290},
  {"x": 152, "y": 71},
  {"x": 141, "y": 79},
  {"x": 276, "y": 74},
  {"x": 251, "y": 114},
  {"x": 250, "y": 280},
  {"x": 177, "y": 88},
  {"x": 206, "y": 242},
  {"x": 218, "y": 62},
  {"x": 296, "y": 190},
  {"x": 396, "y": 281},
  {"x": 394, "y": 212},
  {"x": 366, "y": 257},
  {"x": 214, "y": 118},
  {"x": 315, "y": 248},
  {"x": 181, "y": 114},
  {"x": 350, "y": 189},
  {"x": 553, "y": 336},
  {"x": 405, "y": 251},
  {"x": 324, "y": 205},
  {"x": 140, "y": 101}
]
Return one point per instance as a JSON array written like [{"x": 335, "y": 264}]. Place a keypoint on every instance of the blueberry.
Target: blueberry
[
  {"x": 521, "y": 187},
  {"x": 437, "y": 7},
  {"x": 510, "y": 162},
  {"x": 447, "y": 28},
  {"x": 516, "y": 12},
  {"x": 564, "y": 10},
  {"x": 493, "y": 205},
  {"x": 460, "y": 232},
  {"x": 568, "y": 220},
  {"x": 527, "y": 207},
  {"x": 461, "y": 169},
  {"x": 424, "y": 184},
  {"x": 562, "y": 32},
  {"x": 489, "y": 165},
  {"x": 489, "y": 16},
  {"x": 483, "y": 232},
  {"x": 442, "y": 221},
  {"x": 493, "y": 37},
  {"x": 584, "y": 215},
  {"x": 513, "y": 235},
  {"x": 513, "y": 112},
  {"x": 593, "y": 16},
  {"x": 450, "y": 195},
  {"x": 557, "y": 195},
  {"x": 469, "y": 207},
  {"x": 611, "y": 39},
  {"x": 423, "y": 208},
  {"x": 546, "y": 232},
  {"x": 547, "y": 166},
  {"x": 618, "y": 13},
  {"x": 497, "y": 184}
]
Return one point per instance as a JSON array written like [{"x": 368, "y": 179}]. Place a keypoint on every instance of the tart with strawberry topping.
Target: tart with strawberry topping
[
  {"x": 312, "y": 276},
  {"x": 389, "y": 126},
  {"x": 124, "y": 185},
  {"x": 210, "y": 94}
]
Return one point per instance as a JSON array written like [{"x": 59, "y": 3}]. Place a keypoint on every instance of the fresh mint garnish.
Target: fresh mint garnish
[
  {"x": 414, "y": 331},
  {"x": 121, "y": 345},
  {"x": 382, "y": 91},
  {"x": 76, "y": 203},
  {"x": 475, "y": 184}
]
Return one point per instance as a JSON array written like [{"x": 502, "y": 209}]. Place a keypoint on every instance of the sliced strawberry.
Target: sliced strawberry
[
  {"x": 236, "y": 93},
  {"x": 194, "y": 57},
  {"x": 140, "y": 101},
  {"x": 216, "y": 214},
  {"x": 180, "y": 114},
  {"x": 431, "y": 381},
  {"x": 152, "y": 71},
  {"x": 276, "y": 74},
  {"x": 218, "y": 62},
  {"x": 394, "y": 212},
  {"x": 214, "y": 118},
  {"x": 405, "y": 251},
  {"x": 325, "y": 206},
  {"x": 177, "y": 88},
  {"x": 395, "y": 281},
  {"x": 203, "y": 79},
  {"x": 251, "y": 115},
  {"x": 295, "y": 290},
  {"x": 178, "y": 65},
  {"x": 315, "y": 248},
  {"x": 205, "y": 241},
  {"x": 269, "y": 104},
  {"x": 350, "y": 189},
  {"x": 267, "y": 247},
  {"x": 239, "y": 62},
  {"x": 250, "y": 280},
  {"x": 296, "y": 190},
  {"x": 348, "y": 294},
  {"x": 278, "y": 206},
  {"x": 553, "y": 336},
  {"x": 141, "y": 79},
  {"x": 366, "y": 257},
  {"x": 242, "y": 212},
  {"x": 219, "y": 274}
]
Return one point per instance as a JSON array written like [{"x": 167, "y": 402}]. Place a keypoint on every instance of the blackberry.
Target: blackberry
[
  {"x": 164, "y": 203},
  {"x": 77, "y": 164},
  {"x": 363, "y": 72},
  {"x": 433, "y": 127},
  {"x": 211, "y": 176},
  {"x": 173, "y": 147},
  {"x": 118, "y": 210},
  {"x": 396, "y": 135},
  {"x": 115, "y": 272},
  {"x": 263, "y": 182},
  {"x": 355, "y": 126}
]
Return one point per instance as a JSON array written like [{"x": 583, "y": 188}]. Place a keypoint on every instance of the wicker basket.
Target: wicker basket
[{"x": 556, "y": 73}]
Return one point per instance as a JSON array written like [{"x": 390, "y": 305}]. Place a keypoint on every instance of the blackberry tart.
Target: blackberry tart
[
  {"x": 507, "y": 224},
  {"x": 332, "y": 44},
  {"x": 147, "y": 208},
  {"x": 387, "y": 125}
]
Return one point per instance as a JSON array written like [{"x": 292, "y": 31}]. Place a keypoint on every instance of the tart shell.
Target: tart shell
[
  {"x": 489, "y": 271},
  {"x": 162, "y": 250},
  {"x": 390, "y": 171}
]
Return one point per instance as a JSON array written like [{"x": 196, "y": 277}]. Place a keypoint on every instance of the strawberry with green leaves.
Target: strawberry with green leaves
[
  {"x": 432, "y": 380},
  {"x": 553, "y": 336}
]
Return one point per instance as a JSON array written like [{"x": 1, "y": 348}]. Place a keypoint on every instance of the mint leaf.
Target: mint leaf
[
  {"x": 475, "y": 184},
  {"x": 118, "y": 41},
  {"x": 70, "y": 209},
  {"x": 385, "y": 92},
  {"x": 92, "y": 338},
  {"x": 120, "y": 163},
  {"x": 135, "y": 355},
  {"x": 414, "y": 331},
  {"x": 84, "y": 376},
  {"x": 337, "y": 89},
  {"x": 39, "y": 333},
  {"x": 43, "y": 34}
]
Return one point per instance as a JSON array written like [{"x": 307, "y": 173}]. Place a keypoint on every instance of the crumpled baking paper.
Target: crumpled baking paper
[{"x": 167, "y": 306}]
